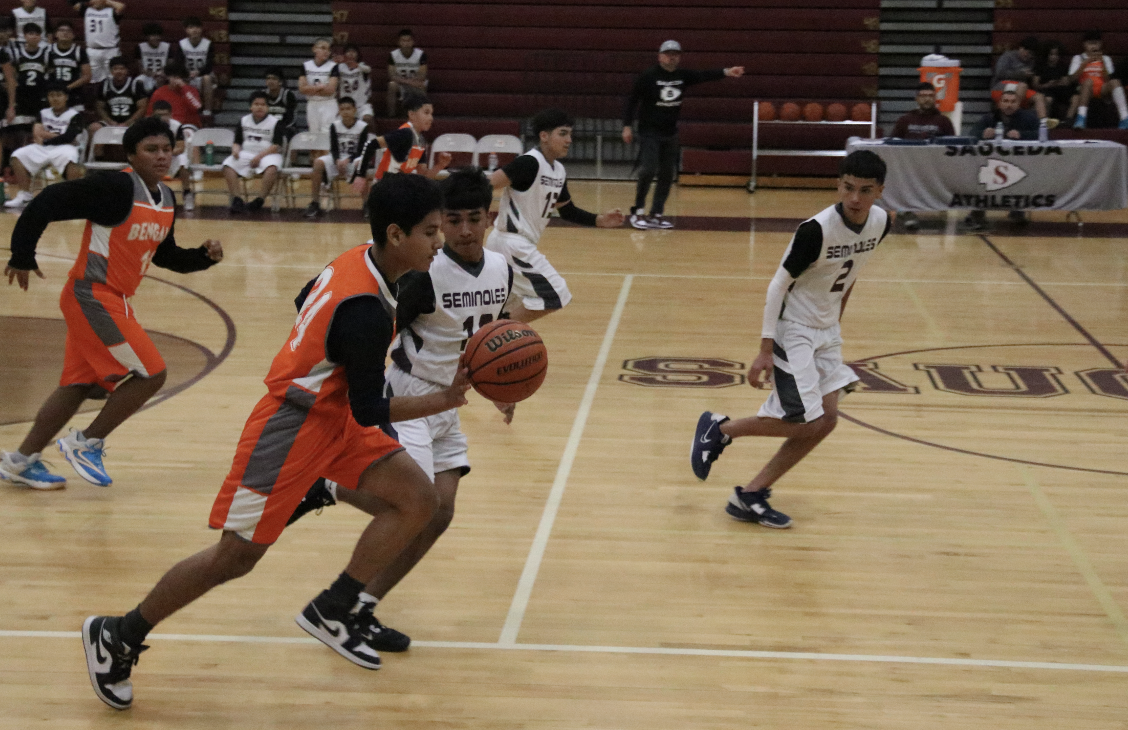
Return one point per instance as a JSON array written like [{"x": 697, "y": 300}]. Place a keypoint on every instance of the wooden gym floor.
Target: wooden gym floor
[{"x": 959, "y": 557}]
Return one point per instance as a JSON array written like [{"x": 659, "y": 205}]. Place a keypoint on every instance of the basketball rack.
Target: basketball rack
[{"x": 758, "y": 153}]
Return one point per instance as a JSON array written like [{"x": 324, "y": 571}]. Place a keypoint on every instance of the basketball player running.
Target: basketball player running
[
  {"x": 534, "y": 184},
  {"x": 129, "y": 226},
  {"x": 326, "y": 388},
  {"x": 404, "y": 147},
  {"x": 801, "y": 341},
  {"x": 438, "y": 312}
]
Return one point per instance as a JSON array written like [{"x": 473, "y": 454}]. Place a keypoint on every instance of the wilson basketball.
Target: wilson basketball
[
  {"x": 813, "y": 112},
  {"x": 790, "y": 112},
  {"x": 860, "y": 112},
  {"x": 507, "y": 361},
  {"x": 767, "y": 111},
  {"x": 836, "y": 112}
]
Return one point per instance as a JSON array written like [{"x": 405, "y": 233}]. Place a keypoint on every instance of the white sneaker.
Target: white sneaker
[
  {"x": 189, "y": 202},
  {"x": 198, "y": 175},
  {"x": 639, "y": 219},
  {"x": 21, "y": 199},
  {"x": 659, "y": 221}
]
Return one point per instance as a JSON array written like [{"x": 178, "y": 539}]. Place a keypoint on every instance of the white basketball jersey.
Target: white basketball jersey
[
  {"x": 57, "y": 123},
  {"x": 355, "y": 83},
  {"x": 815, "y": 299},
  {"x": 257, "y": 136},
  {"x": 195, "y": 57},
  {"x": 23, "y": 17},
  {"x": 319, "y": 75},
  {"x": 407, "y": 67},
  {"x": 101, "y": 28},
  {"x": 527, "y": 213},
  {"x": 467, "y": 297},
  {"x": 349, "y": 139},
  {"x": 153, "y": 60}
]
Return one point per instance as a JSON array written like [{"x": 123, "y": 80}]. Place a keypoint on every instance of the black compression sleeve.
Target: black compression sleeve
[
  {"x": 358, "y": 340},
  {"x": 399, "y": 143},
  {"x": 522, "y": 172},
  {"x": 74, "y": 129},
  {"x": 105, "y": 199},
  {"x": 181, "y": 260},
  {"x": 806, "y": 247},
  {"x": 334, "y": 146},
  {"x": 416, "y": 297},
  {"x": 574, "y": 214}
]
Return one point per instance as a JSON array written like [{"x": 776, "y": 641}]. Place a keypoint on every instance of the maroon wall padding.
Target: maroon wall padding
[
  {"x": 1112, "y": 135},
  {"x": 739, "y": 162}
]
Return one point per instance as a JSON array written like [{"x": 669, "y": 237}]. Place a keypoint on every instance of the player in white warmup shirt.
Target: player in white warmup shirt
[
  {"x": 437, "y": 313},
  {"x": 318, "y": 83},
  {"x": 102, "y": 32},
  {"x": 801, "y": 341},
  {"x": 535, "y": 184}
]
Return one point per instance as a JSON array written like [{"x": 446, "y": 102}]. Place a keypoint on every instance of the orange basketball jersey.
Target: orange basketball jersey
[
  {"x": 388, "y": 163},
  {"x": 1093, "y": 69},
  {"x": 118, "y": 257},
  {"x": 302, "y": 371}
]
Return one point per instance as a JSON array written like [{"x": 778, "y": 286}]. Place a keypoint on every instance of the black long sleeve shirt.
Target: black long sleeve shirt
[
  {"x": 104, "y": 198},
  {"x": 658, "y": 96}
]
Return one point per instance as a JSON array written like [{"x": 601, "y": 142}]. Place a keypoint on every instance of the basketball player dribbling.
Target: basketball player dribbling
[
  {"x": 534, "y": 184},
  {"x": 801, "y": 341},
  {"x": 438, "y": 312},
  {"x": 130, "y": 221},
  {"x": 325, "y": 388}
]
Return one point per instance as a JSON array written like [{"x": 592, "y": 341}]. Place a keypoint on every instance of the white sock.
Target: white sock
[
  {"x": 368, "y": 598},
  {"x": 1121, "y": 104},
  {"x": 332, "y": 489},
  {"x": 1082, "y": 111},
  {"x": 17, "y": 458}
]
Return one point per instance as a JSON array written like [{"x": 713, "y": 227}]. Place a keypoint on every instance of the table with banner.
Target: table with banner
[{"x": 1012, "y": 175}]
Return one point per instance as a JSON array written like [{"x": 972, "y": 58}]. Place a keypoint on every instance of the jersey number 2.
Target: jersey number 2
[
  {"x": 468, "y": 325},
  {"x": 840, "y": 282}
]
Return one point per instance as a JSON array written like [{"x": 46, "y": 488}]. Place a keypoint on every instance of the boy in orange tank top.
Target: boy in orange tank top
[
  {"x": 129, "y": 226},
  {"x": 325, "y": 398}
]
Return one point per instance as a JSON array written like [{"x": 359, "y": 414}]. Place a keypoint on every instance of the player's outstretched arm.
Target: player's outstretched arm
[
  {"x": 410, "y": 407},
  {"x": 20, "y": 276},
  {"x": 499, "y": 179},
  {"x": 777, "y": 291}
]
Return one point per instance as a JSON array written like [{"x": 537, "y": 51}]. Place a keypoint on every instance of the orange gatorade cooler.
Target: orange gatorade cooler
[{"x": 944, "y": 74}]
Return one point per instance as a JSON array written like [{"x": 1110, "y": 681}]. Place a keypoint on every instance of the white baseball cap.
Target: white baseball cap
[{"x": 670, "y": 46}]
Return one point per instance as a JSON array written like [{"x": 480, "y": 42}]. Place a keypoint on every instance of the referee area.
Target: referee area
[{"x": 959, "y": 557}]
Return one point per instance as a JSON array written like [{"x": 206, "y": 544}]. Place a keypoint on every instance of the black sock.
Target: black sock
[
  {"x": 134, "y": 628},
  {"x": 345, "y": 590}
]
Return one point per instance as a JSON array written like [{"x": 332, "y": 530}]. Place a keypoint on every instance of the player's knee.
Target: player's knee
[
  {"x": 827, "y": 422},
  {"x": 234, "y": 560},
  {"x": 157, "y": 380}
]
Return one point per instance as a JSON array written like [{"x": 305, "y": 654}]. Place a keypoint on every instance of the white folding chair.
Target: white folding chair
[
  {"x": 219, "y": 139},
  {"x": 304, "y": 142},
  {"x": 453, "y": 143},
  {"x": 497, "y": 144},
  {"x": 105, "y": 137}
]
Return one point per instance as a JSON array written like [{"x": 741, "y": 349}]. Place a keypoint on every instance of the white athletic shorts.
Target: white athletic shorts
[
  {"x": 331, "y": 171},
  {"x": 535, "y": 282},
  {"x": 436, "y": 442},
  {"x": 34, "y": 157},
  {"x": 320, "y": 115},
  {"x": 243, "y": 164},
  {"x": 178, "y": 162},
  {"x": 198, "y": 82},
  {"x": 808, "y": 366},
  {"x": 100, "y": 63}
]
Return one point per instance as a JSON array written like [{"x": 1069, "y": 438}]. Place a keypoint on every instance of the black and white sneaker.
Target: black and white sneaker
[
  {"x": 708, "y": 443},
  {"x": 639, "y": 219},
  {"x": 109, "y": 661},
  {"x": 317, "y": 498},
  {"x": 347, "y": 632},
  {"x": 382, "y": 637},
  {"x": 661, "y": 222},
  {"x": 754, "y": 507},
  {"x": 313, "y": 210}
]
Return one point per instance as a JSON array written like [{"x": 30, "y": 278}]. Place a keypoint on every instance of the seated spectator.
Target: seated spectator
[
  {"x": 258, "y": 139},
  {"x": 55, "y": 138},
  {"x": 121, "y": 98},
  {"x": 1014, "y": 71},
  {"x": 29, "y": 12},
  {"x": 318, "y": 83},
  {"x": 1017, "y": 123},
  {"x": 1052, "y": 80},
  {"x": 407, "y": 70},
  {"x": 197, "y": 54},
  {"x": 280, "y": 101},
  {"x": 183, "y": 97},
  {"x": 347, "y": 136},
  {"x": 926, "y": 121},
  {"x": 152, "y": 56},
  {"x": 356, "y": 82},
  {"x": 179, "y": 168},
  {"x": 70, "y": 65},
  {"x": 403, "y": 149},
  {"x": 1093, "y": 71}
]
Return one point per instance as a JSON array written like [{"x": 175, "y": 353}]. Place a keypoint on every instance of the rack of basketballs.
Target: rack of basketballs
[{"x": 809, "y": 129}]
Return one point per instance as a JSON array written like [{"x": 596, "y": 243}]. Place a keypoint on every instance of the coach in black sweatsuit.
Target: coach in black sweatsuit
[{"x": 657, "y": 95}]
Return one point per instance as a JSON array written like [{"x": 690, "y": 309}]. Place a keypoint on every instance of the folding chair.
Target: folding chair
[
  {"x": 456, "y": 144},
  {"x": 106, "y": 137},
  {"x": 219, "y": 139},
  {"x": 496, "y": 145},
  {"x": 304, "y": 142}
]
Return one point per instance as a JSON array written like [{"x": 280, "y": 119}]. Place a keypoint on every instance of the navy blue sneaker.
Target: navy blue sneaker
[
  {"x": 708, "y": 443},
  {"x": 754, "y": 507}
]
